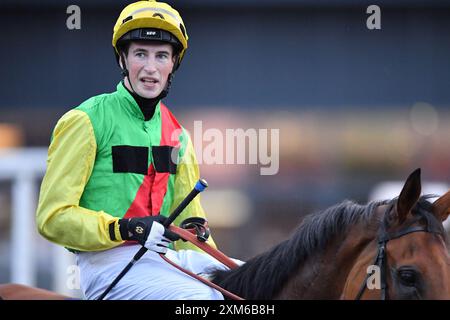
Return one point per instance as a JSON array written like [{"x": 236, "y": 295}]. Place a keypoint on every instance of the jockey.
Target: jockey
[{"x": 120, "y": 162}]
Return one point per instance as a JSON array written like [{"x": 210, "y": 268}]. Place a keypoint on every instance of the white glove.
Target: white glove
[
  {"x": 148, "y": 231},
  {"x": 156, "y": 241}
]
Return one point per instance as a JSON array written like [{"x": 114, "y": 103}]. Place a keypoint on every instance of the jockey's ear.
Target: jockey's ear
[
  {"x": 409, "y": 196},
  {"x": 441, "y": 207}
]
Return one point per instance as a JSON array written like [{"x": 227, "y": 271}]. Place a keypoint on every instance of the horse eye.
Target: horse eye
[{"x": 407, "y": 277}]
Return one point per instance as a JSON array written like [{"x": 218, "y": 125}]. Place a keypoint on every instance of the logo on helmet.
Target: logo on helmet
[{"x": 152, "y": 34}]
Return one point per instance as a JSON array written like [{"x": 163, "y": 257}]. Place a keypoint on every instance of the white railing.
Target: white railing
[{"x": 25, "y": 167}]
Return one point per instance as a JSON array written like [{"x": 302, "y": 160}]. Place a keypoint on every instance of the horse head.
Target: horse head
[{"x": 409, "y": 257}]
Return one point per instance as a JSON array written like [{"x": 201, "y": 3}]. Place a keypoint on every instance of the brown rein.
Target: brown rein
[{"x": 188, "y": 236}]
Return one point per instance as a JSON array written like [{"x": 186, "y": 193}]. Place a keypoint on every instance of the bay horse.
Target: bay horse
[
  {"x": 332, "y": 253},
  {"x": 328, "y": 256}
]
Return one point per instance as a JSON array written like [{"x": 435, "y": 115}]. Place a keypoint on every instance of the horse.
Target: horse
[
  {"x": 391, "y": 249},
  {"x": 330, "y": 254},
  {"x": 15, "y": 291}
]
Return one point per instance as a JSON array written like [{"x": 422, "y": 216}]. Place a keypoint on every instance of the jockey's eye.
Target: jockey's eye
[{"x": 408, "y": 277}]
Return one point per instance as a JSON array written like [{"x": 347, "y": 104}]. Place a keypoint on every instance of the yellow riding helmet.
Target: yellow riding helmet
[{"x": 149, "y": 17}]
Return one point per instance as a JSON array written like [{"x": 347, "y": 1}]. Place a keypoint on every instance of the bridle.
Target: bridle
[{"x": 381, "y": 258}]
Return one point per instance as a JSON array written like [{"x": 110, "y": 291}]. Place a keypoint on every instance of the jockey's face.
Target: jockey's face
[{"x": 149, "y": 65}]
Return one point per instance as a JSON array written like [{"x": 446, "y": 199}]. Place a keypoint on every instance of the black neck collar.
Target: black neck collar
[{"x": 146, "y": 105}]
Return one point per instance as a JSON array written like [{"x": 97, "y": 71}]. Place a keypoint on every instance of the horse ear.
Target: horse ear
[
  {"x": 409, "y": 195},
  {"x": 441, "y": 207}
]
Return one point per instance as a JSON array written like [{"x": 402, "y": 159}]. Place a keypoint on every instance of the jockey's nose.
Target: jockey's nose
[{"x": 150, "y": 65}]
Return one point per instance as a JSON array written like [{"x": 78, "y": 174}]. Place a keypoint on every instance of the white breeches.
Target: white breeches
[{"x": 151, "y": 278}]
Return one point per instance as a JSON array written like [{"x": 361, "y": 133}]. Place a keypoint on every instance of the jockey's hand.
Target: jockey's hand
[{"x": 149, "y": 232}]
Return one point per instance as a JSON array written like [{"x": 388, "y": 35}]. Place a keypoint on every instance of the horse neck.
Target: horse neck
[{"x": 323, "y": 275}]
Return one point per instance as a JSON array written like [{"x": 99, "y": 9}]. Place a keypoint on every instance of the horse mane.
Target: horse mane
[{"x": 263, "y": 276}]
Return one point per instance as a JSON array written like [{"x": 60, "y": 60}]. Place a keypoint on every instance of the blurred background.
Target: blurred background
[{"x": 357, "y": 110}]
